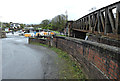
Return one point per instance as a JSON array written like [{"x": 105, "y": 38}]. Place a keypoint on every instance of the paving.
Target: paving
[{"x": 21, "y": 60}]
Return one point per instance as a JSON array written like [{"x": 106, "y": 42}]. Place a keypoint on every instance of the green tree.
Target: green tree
[
  {"x": 44, "y": 23},
  {"x": 22, "y": 25},
  {"x": 49, "y": 26},
  {"x": 59, "y": 22}
]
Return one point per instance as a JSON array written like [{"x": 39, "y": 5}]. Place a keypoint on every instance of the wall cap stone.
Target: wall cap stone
[{"x": 105, "y": 46}]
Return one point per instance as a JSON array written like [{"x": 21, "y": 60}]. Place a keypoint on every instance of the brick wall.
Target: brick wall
[
  {"x": 105, "y": 40},
  {"x": 2, "y": 35},
  {"x": 98, "y": 61},
  {"x": 43, "y": 41}
]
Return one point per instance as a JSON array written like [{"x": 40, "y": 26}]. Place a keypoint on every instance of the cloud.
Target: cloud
[{"x": 34, "y": 11}]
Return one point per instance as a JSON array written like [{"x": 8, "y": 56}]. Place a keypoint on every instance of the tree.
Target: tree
[
  {"x": 59, "y": 22},
  {"x": 49, "y": 26},
  {"x": 44, "y": 23},
  {"x": 22, "y": 25}
]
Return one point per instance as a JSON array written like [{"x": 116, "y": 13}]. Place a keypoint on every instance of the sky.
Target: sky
[{"x": 34, "y": 11}]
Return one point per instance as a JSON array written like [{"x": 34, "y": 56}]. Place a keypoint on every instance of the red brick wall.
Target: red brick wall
[
  {"x": 43, "y": 41},
  {"x": 98, "y": 61},
  {"x": 104, "y": 40}
]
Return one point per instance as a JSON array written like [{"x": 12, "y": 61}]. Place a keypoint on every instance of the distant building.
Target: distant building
[
  {"x": 14, "y": 25},
  {"x": 29, "y": 29}
]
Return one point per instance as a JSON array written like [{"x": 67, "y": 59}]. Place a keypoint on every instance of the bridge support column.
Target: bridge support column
[
  {"x": 108, "y": 28},
  {"x": 118, "y": 19}
]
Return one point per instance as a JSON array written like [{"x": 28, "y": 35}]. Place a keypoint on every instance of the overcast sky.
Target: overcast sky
[{"x": 34, "y": 11}]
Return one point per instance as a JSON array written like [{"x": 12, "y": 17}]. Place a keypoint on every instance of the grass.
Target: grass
[
  {"x": 70, "y": 69},
  {"x": 56, "y": 32},
  {"x": 34, "y": 43},
  {"x": 61, "y": 35}
]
